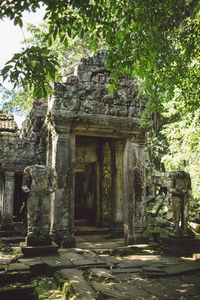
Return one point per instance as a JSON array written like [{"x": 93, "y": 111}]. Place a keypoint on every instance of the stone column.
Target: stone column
[
  {"x": 99, "y": 185},
  {"x": 90, "y": 193},
  {"x": 1, "y": 193},
  {"x": 63, "y": 158},
  {"x": 117, "y": 229},
  {"x": 99, "y": 192},
  {"x": 8, "y": 201},
  {"x": 134, "y": 189}
]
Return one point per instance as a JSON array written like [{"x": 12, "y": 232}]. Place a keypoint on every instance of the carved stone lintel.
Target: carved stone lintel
[
  {"x": 139, "y": 139},
  {"x": 61, "y": 131},
  {"x": 85, "y": 155}
]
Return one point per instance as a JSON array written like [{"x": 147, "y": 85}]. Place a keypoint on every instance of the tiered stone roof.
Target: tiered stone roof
[{"x": 7, "y": 123}]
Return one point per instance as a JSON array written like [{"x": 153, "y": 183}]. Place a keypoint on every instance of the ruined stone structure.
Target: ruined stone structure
[
  {"x": 168, "y": 203},
  {"x": 17, "y": 151},
  {"x": 168, "y": 197},
  {"x": 8, "y": 134},
  {"x": 95, "y": 141}
]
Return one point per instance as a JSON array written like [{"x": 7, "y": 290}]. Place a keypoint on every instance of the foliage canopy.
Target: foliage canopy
[{"x": 156, "y": 40}]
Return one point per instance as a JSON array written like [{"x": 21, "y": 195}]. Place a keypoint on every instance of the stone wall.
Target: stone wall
[
  {"x": 34, "y": 132},
  {"x": 9, "y": 134},
  {"x": 82, "y": 106},
  {"x": 83, "y": 93},
  {"x": 19, "y": 149}
]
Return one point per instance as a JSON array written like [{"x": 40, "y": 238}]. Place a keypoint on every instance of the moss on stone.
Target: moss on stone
[{"x": 46, "y": 288}]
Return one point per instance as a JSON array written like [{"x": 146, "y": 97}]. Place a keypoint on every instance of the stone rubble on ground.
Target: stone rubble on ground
[{"x": 88, "y": 275}]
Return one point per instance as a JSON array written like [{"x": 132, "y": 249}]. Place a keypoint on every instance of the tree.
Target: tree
[
  {"x": 156, "y": 40},
  {"x": 65, "y": 56},
  {"x": 20, "y": 100},
  {"x": 182, "y": 132}
]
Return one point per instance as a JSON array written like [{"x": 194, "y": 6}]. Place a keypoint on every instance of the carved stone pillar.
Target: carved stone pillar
[
  {"x": 134, "y": 189},
  {"x": 90, "y": 193},
  {"x": 99, "y": 191},
  {"x": 8, "y": 201},
  {"x": 1, "y": 192},
  {"x": 63, "y": 158},
  {"x": 117, "y": 229}
]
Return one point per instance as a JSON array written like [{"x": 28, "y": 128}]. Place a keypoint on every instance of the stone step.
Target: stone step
[
  {"x": 12, "y": 240},
  {"x": 13, "y": 277},
  {"x": 88, "y": 263},
  {"x": 57, "y": 263},
  {"x": 126, "y": 270},
  {"x": 74, "y": 284},
  {"x": 17, "y": 267},
  {"x": 107, "y": 291},
  {"x": 36, "y": 264},
  {"x": 176, "y": 270},
  {"x": 9, "y": 233},
  {"x": 31, "y": 251},
  {"x": 89, "y": 230},
  {"x": 140, "y": 261},
  {"x": 180, "y": 247},
  {"x": 81, "y": 222},
  {"x": 17, "y": 292},
  {"x": 133, "y": 292},
  {"x": 101, "y": 273}
]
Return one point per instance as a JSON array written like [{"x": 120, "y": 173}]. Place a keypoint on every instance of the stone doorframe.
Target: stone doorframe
[
  {"x": 129, "y": 209},
  {"x": 8, "y": 201}
]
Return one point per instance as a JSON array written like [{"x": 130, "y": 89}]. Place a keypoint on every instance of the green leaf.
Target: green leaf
[
  {"x": 20, "y": 22},
  {"x": 69, "y": 32},
  {"x": 6, "y": 69},
  {"x": 50, "y": 42},
  {"x": 66, "y": 42},
  {"x": 111, "y": 89}
]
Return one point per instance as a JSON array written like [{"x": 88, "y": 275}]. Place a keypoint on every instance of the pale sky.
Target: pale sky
[{"x": 11, "y": 37}]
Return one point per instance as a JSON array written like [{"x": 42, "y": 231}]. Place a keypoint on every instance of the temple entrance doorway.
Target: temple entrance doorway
[{"x": 98, "y": 177}]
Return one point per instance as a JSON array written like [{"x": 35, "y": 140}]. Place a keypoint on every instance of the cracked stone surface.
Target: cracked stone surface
[{"x": 89, "y": 274}]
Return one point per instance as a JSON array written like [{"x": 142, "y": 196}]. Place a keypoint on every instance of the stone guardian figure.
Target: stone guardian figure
[
  {"x": 39, "y": 181},
  {"x": 180, "y": 191}
]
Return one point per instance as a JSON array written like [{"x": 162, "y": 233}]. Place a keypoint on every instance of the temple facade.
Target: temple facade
[{"x": 95, "y": 141}]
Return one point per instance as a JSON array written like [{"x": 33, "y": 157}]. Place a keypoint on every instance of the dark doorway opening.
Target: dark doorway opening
[
  {"x": 81, "y": 208},
  {"x": 20, "y": 199},
  {"x": 20, "y": 205},
  {"x": 85, "y": 196}
]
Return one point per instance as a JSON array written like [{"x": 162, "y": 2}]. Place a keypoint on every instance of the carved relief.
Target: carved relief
[
  {"x": 87, "y": 92},
  {"x": 106, "y": 183},
  {"x": 85, "y": 155}
]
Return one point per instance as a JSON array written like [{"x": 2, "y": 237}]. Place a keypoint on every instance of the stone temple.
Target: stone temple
[{"x": 95, "y": 140}]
